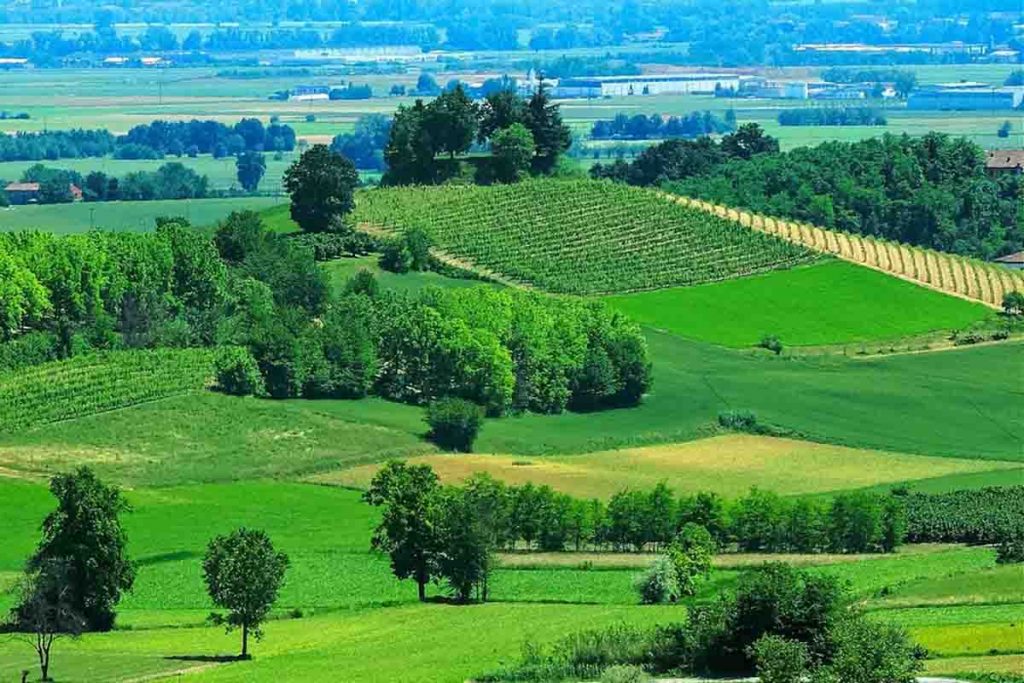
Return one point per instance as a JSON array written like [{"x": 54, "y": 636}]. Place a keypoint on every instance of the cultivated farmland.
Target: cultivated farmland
[{"x": 579, "y": 237}]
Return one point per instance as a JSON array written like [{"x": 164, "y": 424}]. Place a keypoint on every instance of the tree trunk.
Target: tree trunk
[
  {"x": 245, "y": 641},
  {"x": 422, "y": 588}
]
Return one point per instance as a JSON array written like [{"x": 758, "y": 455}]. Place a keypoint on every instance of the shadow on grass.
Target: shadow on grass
[
  {"x": 209, "y": 659},
  {"x": 168, "y": 557}
]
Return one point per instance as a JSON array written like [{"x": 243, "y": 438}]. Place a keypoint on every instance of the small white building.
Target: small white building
[
  {"x": 1012, "y": 261},
  {"x": 645, "y": 84}
]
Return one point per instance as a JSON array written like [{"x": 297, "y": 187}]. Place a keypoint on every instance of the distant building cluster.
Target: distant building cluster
[
  {"x": 966, "y": 97},
  {"x": 646, "y": 84}
]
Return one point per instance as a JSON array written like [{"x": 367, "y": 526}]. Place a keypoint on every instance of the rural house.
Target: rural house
[
  {"x": 1013, "y": 261},
  {"x": 28, "y": 193},
  {"x": 999, "y": 161}
]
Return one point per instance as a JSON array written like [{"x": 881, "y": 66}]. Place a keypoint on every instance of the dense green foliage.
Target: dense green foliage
[
  {"x": 322, "y": 185},
  {"x": 243, "y": 574},
  {"x": 987, "y": 515},
  {"x": 641, "y": 127},
  {"x": 85, "y": 536},
  {"x": 454, "y": 423},
  {"x": 580, "y": 237},
  {"x": 832, "y": 116},
  {"x": 930, "y": 191},
  {"x": 450, "y": 123}
]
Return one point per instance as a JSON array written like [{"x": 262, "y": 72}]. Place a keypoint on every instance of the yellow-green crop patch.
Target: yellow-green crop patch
[
  {"x": 833, "y": 302},
  {"x": 727, "y": 464}
]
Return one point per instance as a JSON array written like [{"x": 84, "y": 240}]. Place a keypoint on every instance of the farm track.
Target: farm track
[{"x": 957, "y": 276}]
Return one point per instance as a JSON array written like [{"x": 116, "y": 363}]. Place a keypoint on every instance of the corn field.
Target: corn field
[
  {"x": 95, "y": 383},
  {"x": 957, "y": 275},
  {"x": 578, "y": 237}
]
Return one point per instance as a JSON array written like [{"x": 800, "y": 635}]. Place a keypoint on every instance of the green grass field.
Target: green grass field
[
  {"x": 359, "y": 623},
  {"x": 128, "y": 216},
  {"x": 832, "y": 302}
]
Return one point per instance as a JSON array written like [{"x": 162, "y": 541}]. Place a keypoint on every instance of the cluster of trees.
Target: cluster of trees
[
  {"x": 676, "y": 159},
  {"x": 352, "y": 91},
  {"x": 641, "y": 127},
  {"x": 902, "y": 80},
  {"x": 832, "y": 116},
  {"x": 81, "y": 569},
  {"x": 569, "y": 37},
  {"x": 150, "y": 141},
  {"x": 525, "y": 136},
  {"x": 930, "y": 191},
  {"x": 172, "y": 180},
  {"x": 364, "y": 146},
  {"x": 56, "y": 144},
  {"x": 503, "y": 350},
  {"x": 177, "y": 138},
  {"x": 784, "y": 624}
]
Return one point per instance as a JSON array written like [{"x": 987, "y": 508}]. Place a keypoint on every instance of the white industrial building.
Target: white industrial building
[{"x": 644, "y": 84}]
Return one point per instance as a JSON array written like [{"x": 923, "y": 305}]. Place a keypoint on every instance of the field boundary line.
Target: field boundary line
[{"x": 878, "y": 257}]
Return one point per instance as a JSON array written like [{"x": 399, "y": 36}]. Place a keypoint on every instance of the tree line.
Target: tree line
[
  {"x": 172, "y": 180},
  {"x": 641, "y": 127},
  {"x": 832, "y": 116},
  {"x": 151, "y": 141},
  {"x": 930, "y": 191},
  {"x": 78, "y": 573}
]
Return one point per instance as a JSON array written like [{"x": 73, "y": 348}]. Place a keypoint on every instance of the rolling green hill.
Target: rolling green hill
[{"x": 579, "y": 237}]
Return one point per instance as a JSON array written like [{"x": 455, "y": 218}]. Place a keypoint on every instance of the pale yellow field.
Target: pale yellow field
[
  {"x": 1011, "y": 664},
  {"x": 728, "y": 464}
]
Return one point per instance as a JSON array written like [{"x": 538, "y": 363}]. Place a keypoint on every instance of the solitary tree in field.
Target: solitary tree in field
[
  {"x": 46, "y": 612},
  {"x": 250, "y": 166},
  {"x": 407, "y": 529},
  {"x": 85, "y": 537},
  {"x": 243, "y": 574},
  {"x": 322, "y": 186}
]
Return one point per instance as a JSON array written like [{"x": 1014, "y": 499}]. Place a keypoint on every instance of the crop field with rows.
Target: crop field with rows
[
  {"x": 96, "y": 383},
  {"x": 579, "y": 237}
]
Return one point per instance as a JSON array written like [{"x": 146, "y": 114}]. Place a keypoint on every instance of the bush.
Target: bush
[
  {"x": 417, "y": 241},
  {"x": 870, "y": 652},
  {"x": 238, "y": 373},
  {"x": 1011, "y": 548},
  {"x": 772, "y": 343},
  {"x": 363, "y": 282},
  {"x": 658, "y": 584},
  {"x": 454, "y": 423},
  {"x": 738, "y": 420},
  {"x": 779, "y": 660},
  {"x": 624, "y": 674},
  {"x": 395, "y": 256}
]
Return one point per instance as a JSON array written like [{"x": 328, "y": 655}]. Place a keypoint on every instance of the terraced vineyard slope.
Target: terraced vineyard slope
[
  {"x": 579, "y": 237},
  {"x": 96, "y": 383},
  {"x": 964, "y": 277}
]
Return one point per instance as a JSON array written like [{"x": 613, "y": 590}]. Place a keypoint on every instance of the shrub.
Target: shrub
[
  {"x": 772, "y": 343},
  {"x": 417, "y": 241},
  {"x": 659, "y": 583},
  {"x": 624, "y": 674},
  {"x": 395, "y": 256},
  {"x": 870, "y": 652},
  {"x": 1011, "y": 548},
  {"x": 1013, "y": 303},
  {"x": 738, "y": 420},
  {"x": 363, "y": 282},
  {"x": 779, "y": 660},
  {"x": 238, "y": 373},
  {"x": 454, "y": 423}
]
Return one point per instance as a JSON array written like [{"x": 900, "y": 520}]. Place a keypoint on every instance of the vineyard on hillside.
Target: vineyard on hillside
[
  {"x": 964, "y": 277},
  {"x": 579, "y": 237},
  {"x": 95, "y": 383}
]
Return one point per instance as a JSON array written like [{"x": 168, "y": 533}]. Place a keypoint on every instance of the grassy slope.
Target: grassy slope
[
  {"x": 130, "y": 216},
  {"x": 727, "y": 464},
  {"x": 826, "y": 303}
]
